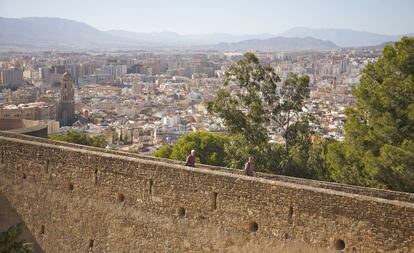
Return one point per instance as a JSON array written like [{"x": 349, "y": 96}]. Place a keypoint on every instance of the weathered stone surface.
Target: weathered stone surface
[{"x": 78, "y": 199}]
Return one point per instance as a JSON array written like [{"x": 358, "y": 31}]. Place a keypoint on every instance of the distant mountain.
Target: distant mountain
[
  {"x": 56, "y": 33},
  {"x": 166, "y": 37},
  {"x": 46, "y": 32},
  {"x": 190, "y": 39},
  {"x": 278, "y": 44},
  {"x": 49, "y": 33},
  {"x": 342, "y": 37}
]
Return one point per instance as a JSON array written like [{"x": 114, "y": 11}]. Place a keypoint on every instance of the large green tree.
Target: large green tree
[
  {"x": 209, "y": 148},
  {"x": 251, "y": 103},
  {"x": 379, "y": 133}
]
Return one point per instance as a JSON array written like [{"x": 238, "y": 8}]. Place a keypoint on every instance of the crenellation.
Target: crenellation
[{"x": 383, "y": 194}]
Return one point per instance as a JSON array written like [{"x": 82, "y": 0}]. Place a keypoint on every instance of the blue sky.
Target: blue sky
[{"x": 229, "y": 16}]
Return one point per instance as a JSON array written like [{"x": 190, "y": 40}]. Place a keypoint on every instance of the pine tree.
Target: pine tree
[{"x": 379, "y": 133}]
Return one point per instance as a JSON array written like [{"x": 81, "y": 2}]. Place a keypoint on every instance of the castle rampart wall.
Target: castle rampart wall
[{"x": 76, "y": 199}]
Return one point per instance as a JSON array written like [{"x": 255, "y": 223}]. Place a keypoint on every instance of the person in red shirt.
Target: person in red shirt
[{"x": 191, "y": 159}]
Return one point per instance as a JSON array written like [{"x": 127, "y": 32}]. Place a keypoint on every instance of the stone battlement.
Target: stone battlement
[
  {"x": 380, "y": 193},
  {"x": 74, "y": 198}
]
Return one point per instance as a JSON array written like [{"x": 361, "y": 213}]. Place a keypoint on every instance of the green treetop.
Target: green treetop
[
  {"x": 80, "y": 138},
  {"x": 209, "y": 148},
  {"x": 251, "y": 103},
  {"x": 379, "y": 133}
]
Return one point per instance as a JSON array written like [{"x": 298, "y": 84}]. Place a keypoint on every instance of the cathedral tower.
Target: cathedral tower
[{"x": 67, "y": 101}]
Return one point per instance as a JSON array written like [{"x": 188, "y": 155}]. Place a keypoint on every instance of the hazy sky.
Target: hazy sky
[{"x": 230, "y": 16}]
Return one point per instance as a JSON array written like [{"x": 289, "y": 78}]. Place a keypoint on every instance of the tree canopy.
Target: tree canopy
[
  {"x": 379, "y": 133},
  {"x": 80, "y": 138},
  {"x": 209, "y": 148},
  {"x": 164, "y": 152},
  {"x": 253, "y": 102}
]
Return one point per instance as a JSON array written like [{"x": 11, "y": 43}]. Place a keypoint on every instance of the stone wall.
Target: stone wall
[
  {"x": 9, "y": 217},
  {"x": 75, "y": 199},
  {"x": 34, "y": 128},
  {"x": 386, "y": 194}
]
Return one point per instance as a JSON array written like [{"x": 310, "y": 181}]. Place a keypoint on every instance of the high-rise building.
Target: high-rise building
[
  {"x": 58, "y": 69},
  {"x": 67, "y": 100},
  {"x": 44, "y": 73},
  {"x": 135, "y": 69},
  {"x": 118, "y": 70},
  {"x": 75, "y": 72},
  {"x": 11, "y": 78}
]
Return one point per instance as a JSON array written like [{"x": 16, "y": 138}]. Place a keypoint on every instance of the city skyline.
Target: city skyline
[{"x": 235, "y": 17}]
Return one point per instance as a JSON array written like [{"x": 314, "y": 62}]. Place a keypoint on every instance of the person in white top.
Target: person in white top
[{"x": 249, "y": 168}]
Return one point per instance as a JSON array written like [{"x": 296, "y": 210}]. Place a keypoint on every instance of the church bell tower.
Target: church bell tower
[{"x": 67, "y": 101}]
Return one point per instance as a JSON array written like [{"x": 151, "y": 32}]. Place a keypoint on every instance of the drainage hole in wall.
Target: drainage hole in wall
[
  {"x": 121, "y": 198},
  {"x": 253, "y": 227},
  {"x": 339, "y": 245},
  {"x": 290, "y": 215},
  {"x": 70, "y": 187},
  {"x": 181, "y": 212},
  {"x": 214, "y": 200},
  {"x": 24, "y": 176},
  {"x": 150, "y": 185},
  {"x": 96, "y": 177},
  {"x": 91, "y": 244}
]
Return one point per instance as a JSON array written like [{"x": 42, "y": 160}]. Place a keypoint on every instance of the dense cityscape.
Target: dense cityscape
[{"x": 142, "y": 100}]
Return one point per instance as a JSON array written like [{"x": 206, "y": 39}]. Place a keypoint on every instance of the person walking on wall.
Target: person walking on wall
[
  {"x": 190, "y": 159},
  {"x": 249, "y": 168}
]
